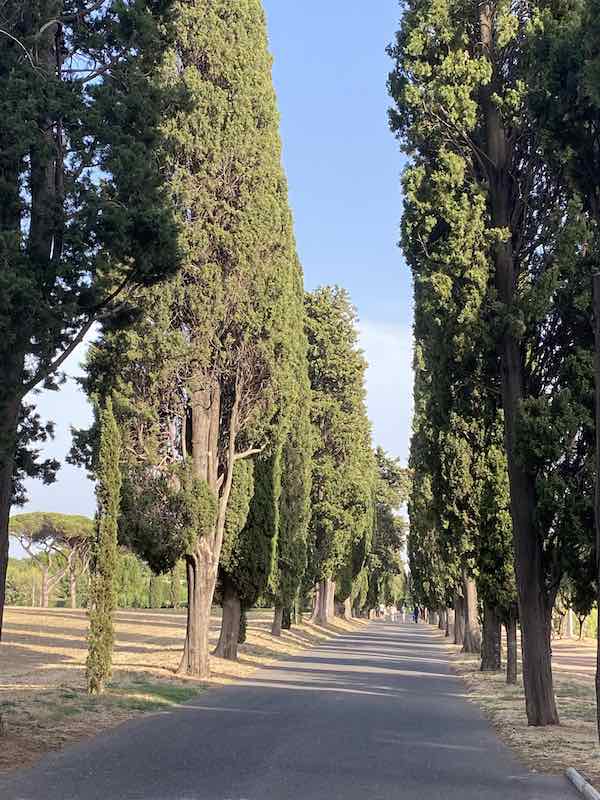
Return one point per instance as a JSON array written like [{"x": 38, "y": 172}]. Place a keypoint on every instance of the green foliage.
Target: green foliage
[
  {"x": 40, "y": 526},
  {"x": 105, "y": 554},
  {"x": 94, "y": 216},
  {"x": 221, "y": 327},
  {"x": 454, "y": 102},
  {"x": 385, "y": 571},
  {"x": 164, "y": 513},
  {"x": 343, "y": 467}
]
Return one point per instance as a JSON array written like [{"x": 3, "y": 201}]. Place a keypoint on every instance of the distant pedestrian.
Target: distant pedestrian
[{"x": 416, "y": 615}]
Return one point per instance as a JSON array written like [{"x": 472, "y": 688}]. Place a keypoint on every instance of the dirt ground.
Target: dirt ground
[
  {"x": 43, "y": 702},
  {"x": 574, "y": 743}
]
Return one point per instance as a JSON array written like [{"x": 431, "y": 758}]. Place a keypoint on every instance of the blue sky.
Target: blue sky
[{"x": 343, "y": 167}]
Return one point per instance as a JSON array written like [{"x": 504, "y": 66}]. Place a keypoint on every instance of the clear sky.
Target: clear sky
[{"x": 343, "y": 166}]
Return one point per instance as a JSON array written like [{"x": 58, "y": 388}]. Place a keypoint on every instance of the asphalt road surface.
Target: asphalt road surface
[{"x": 373, "y": 715}]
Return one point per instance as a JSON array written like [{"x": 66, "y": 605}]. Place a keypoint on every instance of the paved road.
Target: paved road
[{"x": 374, "y": 715}]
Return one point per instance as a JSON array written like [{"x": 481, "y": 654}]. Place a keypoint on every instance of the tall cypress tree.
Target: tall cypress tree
[
  {"x": 82, "y": 208},
  {"x": 342, "y": 498},
  {"x": 268, "y": 554},
  {"x": 104, "y": 553},
  {"x": 196, "y": 377},
  {"x": 462, "y": 89}
]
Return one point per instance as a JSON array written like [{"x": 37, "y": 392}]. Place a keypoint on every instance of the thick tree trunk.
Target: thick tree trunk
[
  {"x": 511, "y": 649},
  {"x": 450, "y": 622},
  {"x": 433, "y": 618},
  {"x": 201, "y": 587},
  {"x": 326, "y": 607},
  {"x": 277, "y": 621},
  {"x": 491, "y": 649},
  {"x": 347, "y": 609},
  {"x": 230, "y": 623},
  {"x": 472, "y": 634},
  {"x": 442, "y": 615},
  {"x": 316, "y": 602},
  {"x": 288, "y": 617},
  {"x": 534, "y": 603},
  {"x": 459, "y": 619}
]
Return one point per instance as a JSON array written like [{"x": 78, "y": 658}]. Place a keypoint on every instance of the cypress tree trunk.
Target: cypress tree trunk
[
  {"x": 534, "y": 606},
  {"x": 459, "y": 619},
  {"x": 491, "y": 649},
  {"x": 9, "y": 415},
  {"x": 201, "y": 586},
  {"x": 449, "y": 622},
  {"x": 472, "y": 632},
  {"x": 277, "y": 621},
  {"x": 243, "y": 626},
  {"x": 316, "y": 603},
  {"x": 326, "y": 605},
  {"x": 347, "y": 609},
  {"x": 330, "y": 609},
  {"x": 230, "y": 622},
  {"x": 511, "y": 648}
]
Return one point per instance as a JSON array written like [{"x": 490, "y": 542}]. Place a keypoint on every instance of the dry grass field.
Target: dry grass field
[
  {"x": 572, "y": 744},
  {"x": 43, "y": 703}
]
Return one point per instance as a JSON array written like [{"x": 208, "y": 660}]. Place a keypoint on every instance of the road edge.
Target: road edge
[{"x": 582, "y": 786}]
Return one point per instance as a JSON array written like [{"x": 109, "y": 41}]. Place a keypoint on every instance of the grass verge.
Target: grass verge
[
  {"x": 551, "y": 749},
  {"x": 43, "y": 702}
]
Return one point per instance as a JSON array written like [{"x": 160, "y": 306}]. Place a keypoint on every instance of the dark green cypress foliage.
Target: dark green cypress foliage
[
  {"x": 105, "y": 553},
  {"x": 343, "y": 474}
]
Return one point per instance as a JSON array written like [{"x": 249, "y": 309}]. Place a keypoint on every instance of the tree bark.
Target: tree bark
[
  {"x": 288, "y": 617},
  {"x": 433, "y": 618},
  {"x": 326, "y": 605},
  {"x": 45, "y": 587},
  {"x": 459, "y": 619},
  {"x": 202, "y": 564},
  {"x": 73, "y": 588},
  {"x": 511, "y": 648},
  {"x": 491, "y": 649},
  {"x": 450, "y": 622},
  {"x": 201, "y": 586},
  {"x": 534, "y": 602},
  {"x": 230, "y": 623},
  {"x": 596, "y": 295},
  {"x": 472, "y": 633},
  {"x": 316, "y": 603},
  {"x": 277, "y": 621},
  {"x": 9, "y": 415},
  {"x": 347, "y": 609},
  {"x": 442, "y": 614}
]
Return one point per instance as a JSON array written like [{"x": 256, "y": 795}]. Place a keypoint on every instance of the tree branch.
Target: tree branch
[{"x": 252, "y": 451}]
